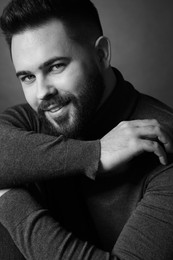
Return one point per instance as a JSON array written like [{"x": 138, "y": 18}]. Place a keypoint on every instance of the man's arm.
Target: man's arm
[
  {"x": 147, "y": 235},
  {"x": 38, "y": 235},
  {"x": 27, "y": 155}
]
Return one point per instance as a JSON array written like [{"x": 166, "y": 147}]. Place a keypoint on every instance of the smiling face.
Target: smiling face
[{"x": 61, "y": 79}]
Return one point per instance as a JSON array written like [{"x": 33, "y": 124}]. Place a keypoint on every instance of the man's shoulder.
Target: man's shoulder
[{"x": 148, "y": 107}]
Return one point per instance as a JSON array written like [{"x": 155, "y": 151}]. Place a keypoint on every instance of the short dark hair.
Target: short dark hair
[{"x": 80, "y": 17}]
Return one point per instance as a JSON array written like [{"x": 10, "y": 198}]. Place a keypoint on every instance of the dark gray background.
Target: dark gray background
[{"x": 141, "y": 32}]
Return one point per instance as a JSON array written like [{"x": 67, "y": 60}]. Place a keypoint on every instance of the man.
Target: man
[{"x": 95, "y": 191}]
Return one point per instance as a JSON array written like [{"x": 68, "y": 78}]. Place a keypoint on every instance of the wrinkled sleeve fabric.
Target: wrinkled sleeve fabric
[
  {"x": 37, "y": 235},
  {"x": 148, "y": 234},
  {"x": 27, "y": 155}
]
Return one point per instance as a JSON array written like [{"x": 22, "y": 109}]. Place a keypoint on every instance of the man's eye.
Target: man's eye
[
  {"x": 57, "y": 67},
  {"x": 28, "y": 79}
]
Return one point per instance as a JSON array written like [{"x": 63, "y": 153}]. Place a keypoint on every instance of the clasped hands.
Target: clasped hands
[{"x": 131, "y": 138}]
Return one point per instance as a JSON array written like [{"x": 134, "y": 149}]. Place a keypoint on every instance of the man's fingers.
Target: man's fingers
[
  {"x": 160, "y": 152},
  {"x": 156, "y": 133},
  {"x": 156, "y": 148},
  {"x": 150, "y": 132},
  {"x": 167, "y": 139},
  {"x": 149, "y": 129},
  {"x": 141, "y": 122}
]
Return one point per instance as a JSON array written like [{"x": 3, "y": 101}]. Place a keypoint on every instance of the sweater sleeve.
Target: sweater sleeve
[
  {"x": 148, "y": 234},
  {"x": 38, "y": 235},
  {"x": 27, "y": 155}
]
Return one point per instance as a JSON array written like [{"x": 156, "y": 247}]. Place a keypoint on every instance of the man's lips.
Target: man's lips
[{"x": 54, "y": 108}]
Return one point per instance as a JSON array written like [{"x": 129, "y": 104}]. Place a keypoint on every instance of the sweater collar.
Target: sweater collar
[{"x": 118, "y": 107}]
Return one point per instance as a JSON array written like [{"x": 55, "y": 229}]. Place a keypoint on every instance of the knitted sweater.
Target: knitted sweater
[{"x": 129, "y": 216}]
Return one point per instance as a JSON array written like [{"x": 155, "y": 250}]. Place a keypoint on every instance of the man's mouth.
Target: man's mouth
[
  {"x": 53, "y": 109},
  {"x": 56, "y": 107},
  {"x": 57, "y": 111}
]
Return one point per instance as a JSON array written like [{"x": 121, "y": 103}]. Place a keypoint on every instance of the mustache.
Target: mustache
[{"x": 58, "y": 101}]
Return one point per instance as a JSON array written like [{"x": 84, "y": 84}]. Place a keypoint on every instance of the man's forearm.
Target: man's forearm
[
  {"x": 147, "y": 234},
  {"x": 28, "y": 156},
  {"x": 36, "y": 157},
  {"x": 38, "y": 235}
]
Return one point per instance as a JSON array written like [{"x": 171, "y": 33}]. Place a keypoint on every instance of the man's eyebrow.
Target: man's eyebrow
[
  {"x": 52, "y": 60},
  {"x": 23, "y": 73},
  {"x": 45, "y": 64}
]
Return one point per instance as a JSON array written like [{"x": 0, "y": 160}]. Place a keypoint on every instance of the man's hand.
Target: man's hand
[
  {"x": 131, "y": 138},
  {"x": 2, "y": 192}
]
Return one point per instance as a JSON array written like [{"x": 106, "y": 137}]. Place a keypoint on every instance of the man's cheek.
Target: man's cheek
[{"x": 32, "y": 101}]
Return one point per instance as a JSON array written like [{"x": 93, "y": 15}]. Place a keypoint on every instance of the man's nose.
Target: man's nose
[{"x": 45, "y": 89}]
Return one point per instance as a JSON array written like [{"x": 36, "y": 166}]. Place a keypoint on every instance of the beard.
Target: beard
[{"x": 84, "y": 107}]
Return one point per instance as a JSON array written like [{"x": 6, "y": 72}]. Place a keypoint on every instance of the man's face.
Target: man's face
[{"x": 61, "y": 79}]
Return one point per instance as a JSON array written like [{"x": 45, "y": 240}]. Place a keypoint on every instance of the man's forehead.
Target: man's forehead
[
  {"x": 47, "y": 40},
  {"x": 53, "y": 29}
]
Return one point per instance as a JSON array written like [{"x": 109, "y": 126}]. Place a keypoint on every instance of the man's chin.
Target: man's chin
[{"x": 61, "y": 128}]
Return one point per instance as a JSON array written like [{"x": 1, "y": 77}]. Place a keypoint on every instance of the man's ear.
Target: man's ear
[{"x": 103, "y": 50}]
